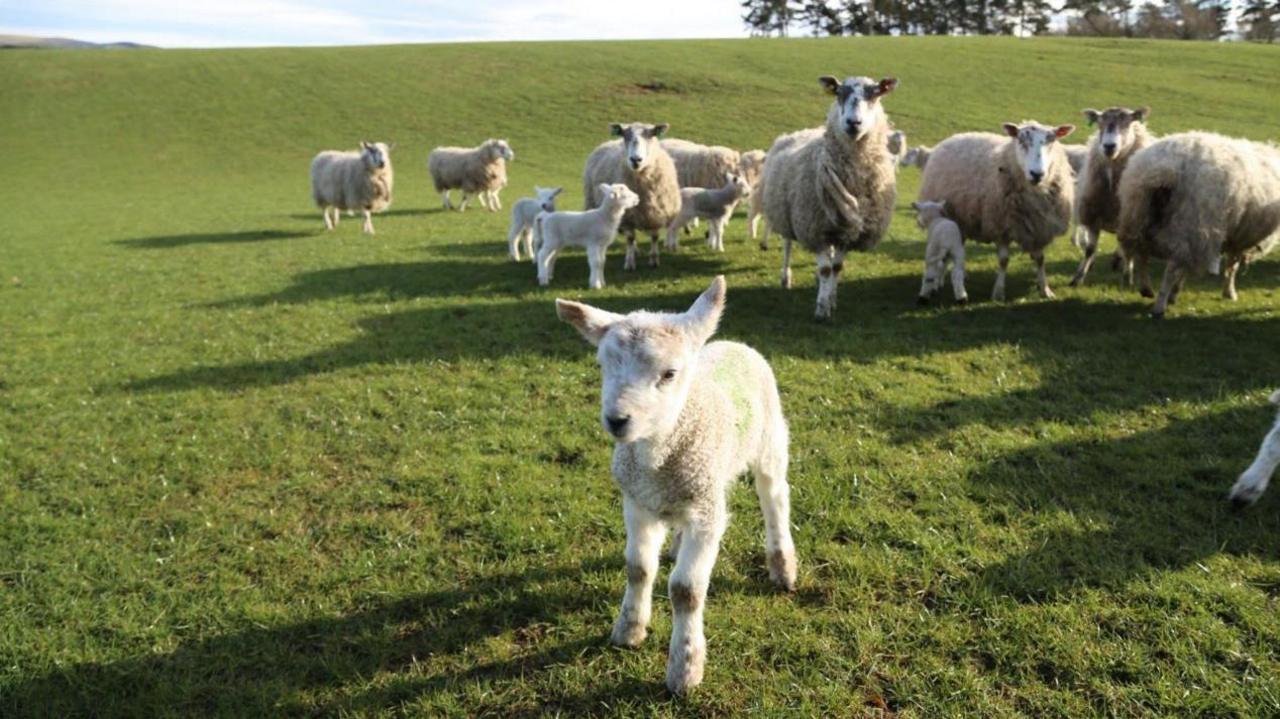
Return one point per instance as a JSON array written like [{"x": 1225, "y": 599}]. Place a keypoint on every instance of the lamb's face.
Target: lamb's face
[
  {"x": 647, "y": 361},
  {"x": 619, "y": 195},
  {"x": 857, "y": 109},
  {"x": 909, "y": 157},
  {"x": 640, "y": 142},
  {"x": 927, "y": 212},
  {"x": 741, "y": 188},
  {"x": 375, "y": 154},
  {"x": 547, "y": 197},
  {"x": 1116, "y": 127},
  {"x": 1034, "y": 148}
]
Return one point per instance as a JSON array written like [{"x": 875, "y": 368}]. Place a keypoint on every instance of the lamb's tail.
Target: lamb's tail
[{"x": 1144, "y": 201}]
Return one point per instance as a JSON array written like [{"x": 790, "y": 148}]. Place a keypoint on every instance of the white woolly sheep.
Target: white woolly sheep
[
  {"x": 593, "y": 230},
  {"x": 1194, "y": 198},
  {"x": 1005, "y": 190},
  {"x": 523, "y": 212},
  {"x": 638, "y": 161},
  {"x": 715, "y": 206},
  {"x": 480, "y": 170},
  {"x": 918, "y": 156},
  {"x": 1122, "y": 132},
  {"x": 688, "y": 418},
  {"x": 832, "y": 188},
  {"x": 1255, "y": 479},
  {"x": 945, "y": 243},
  {"x": 352, "y": 181}
]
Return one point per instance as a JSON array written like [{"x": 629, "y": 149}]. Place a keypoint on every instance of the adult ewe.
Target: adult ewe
[
  {"x": 832, "y": 188},
  {"x": 1194, "y": 198},
  {"x": 1009, "y": 190},
  {"x": 638, "y": 161},
  {"x": 480, "y": 170},
  {"x": 352, "y": 181}
]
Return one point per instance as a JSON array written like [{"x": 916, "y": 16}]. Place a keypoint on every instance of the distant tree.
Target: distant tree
[
  {"x": 770, "y": 17},
  {"x": 1260, "y": 21}
]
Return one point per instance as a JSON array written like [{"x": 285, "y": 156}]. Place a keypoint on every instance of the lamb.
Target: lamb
[
  {"x": 832, "y": 188},
  {"x": 897, "y": 145},
  {"x": 1195, "y": 197},
  {"x": 1254, "y": 481},
  {"x": 1122, "y": 132},
  {"x": 688, "y": 418},
  {"x": 945, "y": 242},
  {"x": 1005, "y": 190},
  {"x": 716, "y": 206},
  {"x": 751, "y": 167},
  {"x": 593, "y": 230},
  {"x": 478, "y": 171},
  {"x": 352, "y": 181},
  {"x": 701, "y": 165},
  {"x": 918, "y": 156},
  {"x": 638, "y": 161},
  {"x": 523, "y": 213}
]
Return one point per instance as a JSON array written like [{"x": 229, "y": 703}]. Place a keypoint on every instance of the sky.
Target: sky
[{"x": 239, "y": 23}]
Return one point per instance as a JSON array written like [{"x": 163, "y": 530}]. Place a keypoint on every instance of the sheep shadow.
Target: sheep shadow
[
  {"x": 211, "y": 238},
  {"x": 275, "y": 670},
  {"x": 357, "y": 217}
]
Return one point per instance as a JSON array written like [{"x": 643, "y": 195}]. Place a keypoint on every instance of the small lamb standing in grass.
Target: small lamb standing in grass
[
  {"x": 478, "y": 171},
  {"x": 945, "y": 243},
  {"x": 688, "y": 418},
  {"x": 1195, "y": 197},
  {"x": 523, "y": 213},
  {"x": 918, "y": 156},
  {"x": 638, "y": 161},
  {"x": 593, "y": 230},
  {"x": 352, "y": 181},
  {"x": 1005, "y": 190},
  {"x": 715, "y": 206},
  {"x": 1255, "y": 479}
]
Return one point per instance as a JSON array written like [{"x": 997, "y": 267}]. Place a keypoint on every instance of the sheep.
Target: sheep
[
  {"x": 480, "y": 171},
  {"x": 593, "y": 230},
  {"x": 751, "y": 167},
  {"x": 832, "y": 188},
  {"x": 687, "y": 418},
  {"x": 945, "y": 242},
  {"x": 1195, "y": 197},
  {"x": 638, "y": 161},
  {"x": 714, "y": 205},
  {"x": 352, "y": 181},
  {"x": 1076, "y": 155},
  {"x": 918, "y": 156},
  {"x": 701, "y": 165},
  {"x": 1121, "y": 133},
  {"x": 1253, "y": 482},
  {"x": 1005, "y": 190},
  {"x": 523, "y": 213}
]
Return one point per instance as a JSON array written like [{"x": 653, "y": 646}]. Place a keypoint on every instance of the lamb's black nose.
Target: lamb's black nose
[
  {"x": 617, "y": 425},
  {"x": 1036, "y": 177}
]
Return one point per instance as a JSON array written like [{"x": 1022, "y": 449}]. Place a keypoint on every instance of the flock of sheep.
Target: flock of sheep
[{"x": 689, "y": 415}]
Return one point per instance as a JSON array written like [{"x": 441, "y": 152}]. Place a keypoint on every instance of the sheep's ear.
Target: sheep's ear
[
  {"x": 590, "y": 321},
  {"x": 660, "y": 129},
  {"x": 391, "y": 147},
  {"x": 603, "y": 190},
  {"x": 1011, "y": 130},
  {"x": 829, "y": 83},
  {"x": 1142, "y": 114},
  {"x": 916, "y": 206},
  {"x": 703, "y": 317},
  {"x": 887, "y": 85},
  {"x": 364, "y": 144},
  {"x": 556, "y": 190},
  {"x": 1062, "y": 131},
  {"x": 616, "y": 129},
  {"x": 1092, "y": 116}
]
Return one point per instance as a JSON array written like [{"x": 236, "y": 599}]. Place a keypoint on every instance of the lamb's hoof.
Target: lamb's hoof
[
  {"x": 1239, "y": 504},
  {"x": 1077, "y": 280},
  {"x": 922, "y": 300},
  {"x": 962, "y": 301},
  {"x": 628, "y": 634},
  {"x": 684, "y": 670},
  {"x": 653, "y": 261},
  {"x": 764, "y": 245},
  {"x": 823, "y": 314},
  {"x": 997, "y": 297},
  {"x": 1047, "y": 294},
  {"x": 1230, "y": 296},
  {"x": 786, "y": 280},
  {"x": 1147, "y": 292},
  {"x": 1157, "y": 315},
  {"x": 782, "y": 570}
]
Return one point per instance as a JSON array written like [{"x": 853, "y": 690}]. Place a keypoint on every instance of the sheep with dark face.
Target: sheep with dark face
[
  {"x": 352, "y": 181},
  {"x": 638, "y": 161}
]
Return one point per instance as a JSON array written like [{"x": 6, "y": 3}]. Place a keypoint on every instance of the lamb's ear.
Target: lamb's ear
[
  {"x": 1011, "y": 130},
  {"x": 1142, "y": 114},
  {"x": 829, "y": 83},
  {"x": 916, "y": 206},
  {"x": 615, "y": 129},
  {"x": 364, "y": 144},
  {"x": 603, "y": 190},
  {"x": 703, "y": 317},
  {"x": 887, "y": 85},
  {"x": 1062, "y": 131},
  {"x": 1092, "y": 116},
  {"x": 591, "y": 322},
  {"x": 556, "y": 190},
  {"x": 391, "y": 147},
  {"x": 660, "y": 129}
]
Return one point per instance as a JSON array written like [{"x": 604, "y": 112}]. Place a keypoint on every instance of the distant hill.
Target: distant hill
[{"x": 10, "y": 42}]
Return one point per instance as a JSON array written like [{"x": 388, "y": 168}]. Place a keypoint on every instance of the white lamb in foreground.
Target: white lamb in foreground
[
  {"x": 593, "y": 230},
  {"x": 945, "y": 243},
  {"x": 1254, "y": 481},
  {"x": 688, "y": 418},
  {"x": 714, "y": 205},
  {"x": 523, "y": 213}
]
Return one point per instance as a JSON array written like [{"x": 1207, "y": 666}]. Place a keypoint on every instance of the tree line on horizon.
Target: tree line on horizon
[{"x": 1258, "y": 20}]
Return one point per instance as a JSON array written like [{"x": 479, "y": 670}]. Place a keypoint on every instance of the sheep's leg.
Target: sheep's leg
[
  {"x": 514, "y": 236},
  {"x": 1173, "y": 275},
  {"x": 482, "y": 197},
  {"x": 462, "y": 206},
  {"x": 546, "y": 261},
  {"x": 764, "y": 235},
  {"x": 1177, "y": 288},
  {"x": 653, "y": 249},
  {"x": 1042, "y": 278},
  {"x": 997, "y": 292},
  {"x": 1090, "y": 252},
  {"x": 830, "y": 263},
  {"x": 645, "y": 533},
  {"x": 1141, "y": 266},
  {"x": 753, "y": 222},
  {"x": 770, "y": 475},
  {"x": 1255, "y": 479},
  {"x": 786, "y": 258},
  {"x": 528, "y": 242},
  {"x": 495, "y": 202},
  {"x": 368, "y": 222},
  {"x": 328, "y": 223},
  {"x": 595, "y": 260},
  {"x": 448, "y": 203},
  {"x": 673, "y": 239},
  {"x": 957, "y": 276},
  {"x": 687, "y": 655},
  {"x": 1229, "y": 278},
  {"x": 629, "y": 262}
]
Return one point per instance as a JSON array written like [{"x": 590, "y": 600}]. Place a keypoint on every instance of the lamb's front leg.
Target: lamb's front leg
[
  {"x": 368, "y": 222},
  {"x": 1042, "y": 278},
  {"x": 1253, "y": 482},
  {"x": 699, "y": 544},
  {"x": 645, "y": 533}
]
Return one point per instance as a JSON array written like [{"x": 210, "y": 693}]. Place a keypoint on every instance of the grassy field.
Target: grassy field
[{"x": 251, "y": 468}]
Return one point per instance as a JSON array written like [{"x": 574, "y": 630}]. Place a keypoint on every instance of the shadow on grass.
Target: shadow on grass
[
  {"x": 413, "y": 646},
  {"x": 358, "y": 217},
  {"x": 212, "y": 238}
]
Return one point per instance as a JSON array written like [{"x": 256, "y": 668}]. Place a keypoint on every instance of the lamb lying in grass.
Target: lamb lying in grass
[
  {"x": 1254, "y": 481},
  {"x": 945, "y": 243},
  {"x": 593, "y": 230},
  {"x": 688, "y": 418},
  {"x": 715, "y": 206},
  {"x": 523, "y": 212}
]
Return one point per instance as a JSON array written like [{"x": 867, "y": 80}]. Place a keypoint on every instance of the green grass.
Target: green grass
[{"x": 251, "y": 468}]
